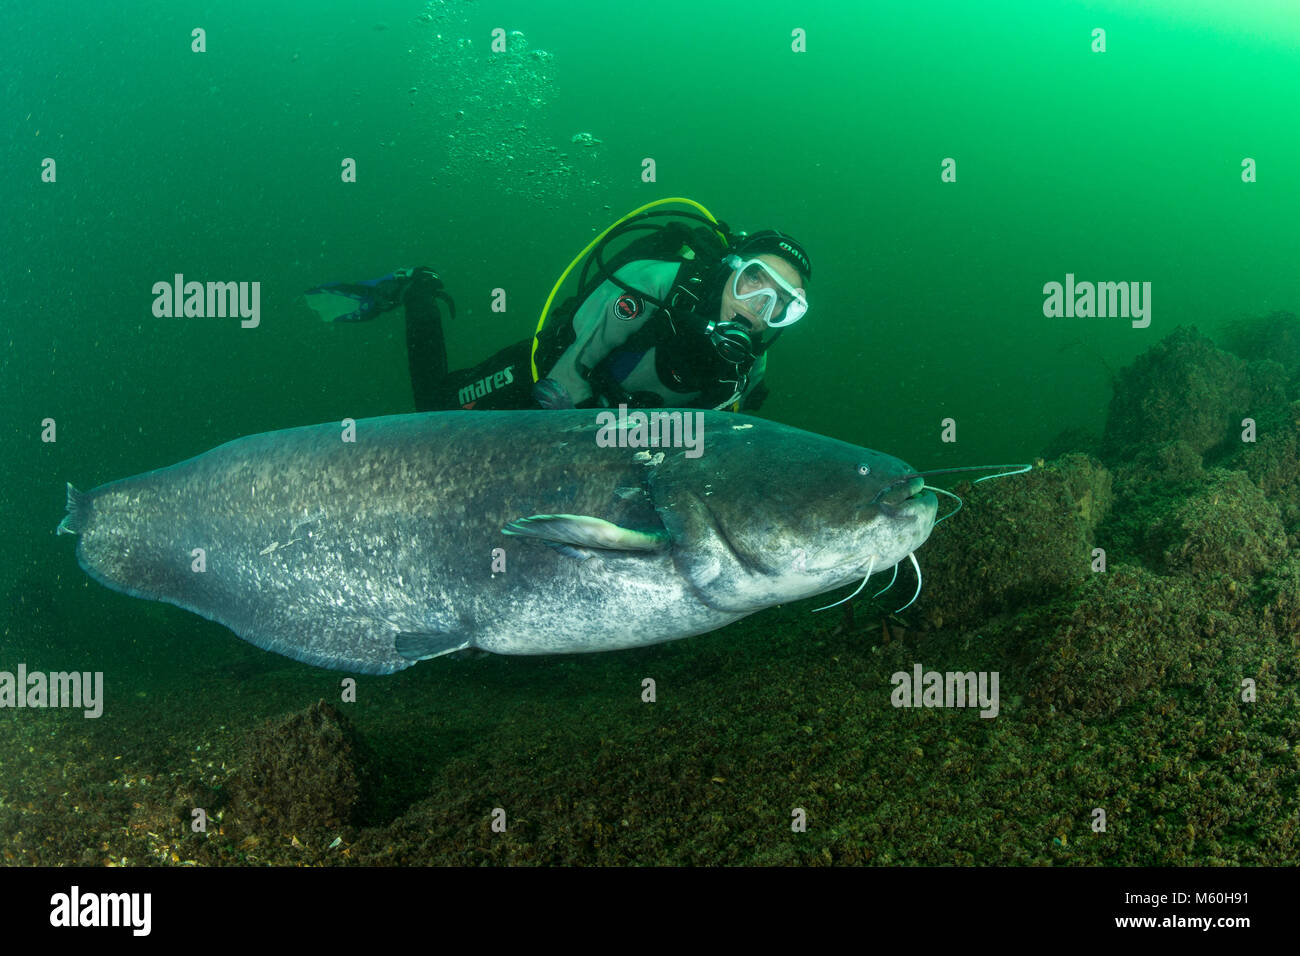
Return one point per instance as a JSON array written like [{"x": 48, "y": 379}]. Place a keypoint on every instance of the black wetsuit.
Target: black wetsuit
[{"x": 502, "y": 381}]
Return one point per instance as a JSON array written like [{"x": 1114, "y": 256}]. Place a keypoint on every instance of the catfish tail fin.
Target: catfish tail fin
[{"x": 78, "y": 511}]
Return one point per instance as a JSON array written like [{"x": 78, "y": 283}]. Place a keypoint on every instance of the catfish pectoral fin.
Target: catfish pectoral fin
[{"x": 583, "y": 531}]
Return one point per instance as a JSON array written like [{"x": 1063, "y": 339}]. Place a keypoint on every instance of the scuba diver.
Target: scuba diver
[{"x": 681, "y": 316}]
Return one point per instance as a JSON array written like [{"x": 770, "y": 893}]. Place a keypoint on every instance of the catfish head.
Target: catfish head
[{"x": 768, "y": 513}]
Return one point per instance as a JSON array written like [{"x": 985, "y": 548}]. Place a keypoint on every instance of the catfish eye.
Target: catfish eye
[{"x": 864, "y": 470}]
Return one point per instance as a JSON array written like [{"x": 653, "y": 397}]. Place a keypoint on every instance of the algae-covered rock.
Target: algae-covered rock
[
  {"x": 1172, "y": 463},
  {"x": 1274, "y": 337},
  {"x": 1146, "y": 489},
  {"x": 1185, "y": 388},
  {"x": 1273, "y": 460},
  {"x": 1226, "y": 526},
  {"x": 1174, "y": 517},
  {"x": 300, "y": 772},
  {"x": 1018, "y": 540},
  {"x": 1269, "y": 383}
]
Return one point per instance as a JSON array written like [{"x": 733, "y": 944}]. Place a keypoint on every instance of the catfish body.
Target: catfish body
[{"x": 512, "y": 532}]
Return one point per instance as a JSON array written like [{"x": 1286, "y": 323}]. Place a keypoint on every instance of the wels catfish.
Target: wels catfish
[{"x": 530, "y": 532}]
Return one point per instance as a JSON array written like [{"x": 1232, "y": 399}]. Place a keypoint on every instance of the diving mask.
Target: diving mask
[{"x": 761, "y": 289}]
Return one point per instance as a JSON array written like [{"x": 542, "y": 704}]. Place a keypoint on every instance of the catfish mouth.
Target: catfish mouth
[
  {"x": 894, "y": 496},
  {"x": 909, "y": 510},
  {"x": 911, "y": 503}
]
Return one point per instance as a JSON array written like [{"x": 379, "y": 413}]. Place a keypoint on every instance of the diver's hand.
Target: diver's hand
[{"x": 548, "y": 393}]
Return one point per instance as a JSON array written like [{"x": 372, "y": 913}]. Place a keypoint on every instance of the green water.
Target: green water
[{"x": 927, "y": 296}]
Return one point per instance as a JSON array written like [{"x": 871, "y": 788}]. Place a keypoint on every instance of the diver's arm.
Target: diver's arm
[{"x": 567, "y": 386}]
